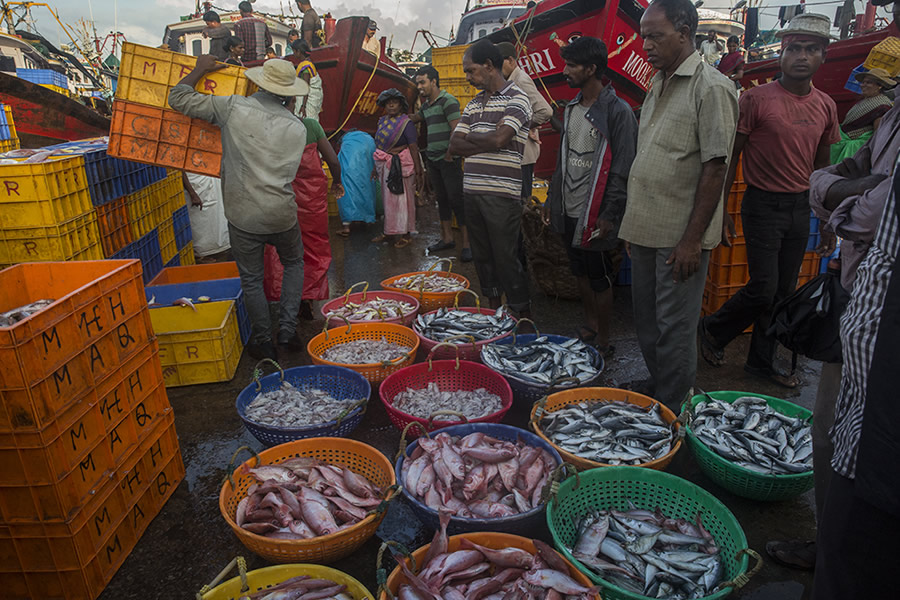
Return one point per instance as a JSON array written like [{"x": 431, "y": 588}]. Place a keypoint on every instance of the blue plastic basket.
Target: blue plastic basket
[
  {"x": 521, "y": 524},
  {"x": 813, "y": 242},
  {"x": 147, "y": 251},
  {"x": 216, "y": 290},
  {"x": 340, "y": 382},
  {"x": 181, "y": 223}
]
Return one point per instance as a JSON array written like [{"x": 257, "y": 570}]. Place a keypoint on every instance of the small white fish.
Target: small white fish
[
  {"x": 185, "y": 302},
  {"x": 152, "y": 300}
]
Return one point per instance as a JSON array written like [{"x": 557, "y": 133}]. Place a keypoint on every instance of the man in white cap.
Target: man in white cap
[{"x": 256, "y": 185}]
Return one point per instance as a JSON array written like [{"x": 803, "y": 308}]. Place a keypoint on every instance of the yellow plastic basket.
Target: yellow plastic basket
[{"x": 260, "y": 579}]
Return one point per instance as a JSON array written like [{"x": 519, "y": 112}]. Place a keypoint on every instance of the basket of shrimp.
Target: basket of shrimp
[
  {"x": 314, "y": 500},
  {"x": 374, "y": 350},
  {"x": 433, "y": 289},
  {"x": 641, "y": 533},
  {"x": 366, "y": 307},
  {"x": 436, "y": 394},
  {"x": 597, "y": 427},
  {"x": 302, "y": 402},
  {"x": 471, "y": 328}
]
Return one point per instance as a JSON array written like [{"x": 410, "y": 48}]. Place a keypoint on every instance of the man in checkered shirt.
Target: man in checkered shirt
[{"x": 254, "y": 32}]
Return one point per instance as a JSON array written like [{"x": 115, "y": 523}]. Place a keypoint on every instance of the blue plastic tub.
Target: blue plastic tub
[
  {"x": 522, "y": 524},
  {"x": 218, "y": 289},
  {"x": 813, "y": 233}
]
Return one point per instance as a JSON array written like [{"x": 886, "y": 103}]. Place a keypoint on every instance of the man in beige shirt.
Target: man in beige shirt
[
  {"x": 673, "y": 212},
  {"x": 371, "y": 43}
]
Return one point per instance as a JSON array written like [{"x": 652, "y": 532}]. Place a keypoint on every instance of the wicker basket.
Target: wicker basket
[
  {"x": 468, "y": 348},
  {"x": 248, "y": 582},
  {"x": 374, "y": 372},
  {"x": 365, "y": 295},
  {"x": 428, "y": 301}
]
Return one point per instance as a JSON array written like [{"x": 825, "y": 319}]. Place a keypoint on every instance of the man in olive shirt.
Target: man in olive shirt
[
  {"x": 310, "y": 26},
  {"x": 673, "y": 213}
]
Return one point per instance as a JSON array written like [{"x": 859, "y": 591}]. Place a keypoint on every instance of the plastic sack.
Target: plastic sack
[{"x": 358, "y": 201}]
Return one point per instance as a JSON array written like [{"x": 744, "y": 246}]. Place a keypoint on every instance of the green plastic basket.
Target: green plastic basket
[
  {"x": 737, "y": 479},
  {"x": 613, "y": 487}
]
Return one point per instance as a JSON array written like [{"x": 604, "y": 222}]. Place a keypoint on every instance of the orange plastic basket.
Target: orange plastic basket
[
  {"x": 590, "y": 395},
  {"x": 428, "y": 301},
  {"x": 356, "y": 456},
  {"x": 374, "y": 372}
]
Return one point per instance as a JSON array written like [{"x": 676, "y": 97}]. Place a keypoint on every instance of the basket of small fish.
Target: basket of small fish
[
  {"x": 641, "y": 533},
  {"x": 434, "y": 289},
  {"x": 469, "y": 327},
  {"x": 302, "y": 402},
  {"x": 486, "y": 476},
  {"x": 535, "y": 364},
  {"x": 366, "y": 307},
  {"x": 598, "y": 427},
  {"x": 483, "y": 565},
  {"x": 758, "y": 447},
  {"x": 445, "y": 392},
  {"x": 374, "y": 350},
  {"x": 314, "y": 500},
  {"x": 279, "y": 582}
]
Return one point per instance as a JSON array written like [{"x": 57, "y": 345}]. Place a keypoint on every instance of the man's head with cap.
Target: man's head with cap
[
  {"x": 278, "y": 76},
  {"x": 803, "y": 44},
  {"x": 508, "y": 52},
  {"x": 373, "y": 27}
]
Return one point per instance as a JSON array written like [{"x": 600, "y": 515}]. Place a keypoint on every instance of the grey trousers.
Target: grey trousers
[
  {"x": 823, "y": 420},
  {"x": 666, "y": 316},
  {"x": 248, "y": 250}
]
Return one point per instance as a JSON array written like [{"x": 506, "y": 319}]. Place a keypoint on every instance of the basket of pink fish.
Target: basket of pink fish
[
  {"x": 314, "y": 500},
  {"x": 486, "y": 476}
]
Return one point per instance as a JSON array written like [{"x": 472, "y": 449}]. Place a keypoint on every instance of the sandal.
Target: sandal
[
  {"x": 788, "y": 380},
  {"x": 402, "y": 243},
  {"x": 379, "y": 239},
  {"x": 711, "y": 353},
  {"x": 585, "y": 334},
  {"x": 343, "y": 232},
  {"x": 793, "y": 554}
]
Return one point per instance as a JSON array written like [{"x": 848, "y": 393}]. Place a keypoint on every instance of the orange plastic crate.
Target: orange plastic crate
[
  {"x": 192, "y": 273},
  {"x": 112, "y": 220}
]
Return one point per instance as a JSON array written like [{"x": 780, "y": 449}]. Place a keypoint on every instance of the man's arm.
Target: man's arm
[
  {"x": 268, "y": 36},
  {"x": 623, "y": 145},
  {"x": 186, "y": 100},
  {"x": 728, "y": 230},
  {"x": 823, "y": 156},
  {"x": 541, "y": 110},
  {"x": 334, "y": 165},
  {"x": 685, "y": 259}
]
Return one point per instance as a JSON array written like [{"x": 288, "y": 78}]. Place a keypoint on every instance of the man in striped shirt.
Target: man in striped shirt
[
  {"x": 491, "y": 136},
  {"x": 254, "y": 32}
]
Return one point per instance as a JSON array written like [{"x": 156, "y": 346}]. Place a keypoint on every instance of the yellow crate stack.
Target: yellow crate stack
[
  {"x": 448, "y": 62},
  {"x": 8, "y": 138}
]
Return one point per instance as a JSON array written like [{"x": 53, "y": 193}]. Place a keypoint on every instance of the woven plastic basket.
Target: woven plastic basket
[
  {"x": 737, "y": 479},
  {"x": 449, "y": 375},
  {"x": 365, "y": 295},
  {"x": 560, "y": 400},
  {"x": 469, "y": 349},
  {"x": 614, "y": 487},
  {"x": 339, "y": 382},
  {"x": 428, "y": 301},
  {"x": 249, "y": 582},
  {"x": 374, "y": 372},
  {"x": 523, "y": 523},
  {"x": 356, "y": 456}
]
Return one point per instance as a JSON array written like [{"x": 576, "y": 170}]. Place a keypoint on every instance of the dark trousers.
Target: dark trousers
[
  {"x": 776, "y": 229},
  {"x": 527, "y": 181},
  {"x": 494, "y": 224},
  {"x": 447, "y": 182}
]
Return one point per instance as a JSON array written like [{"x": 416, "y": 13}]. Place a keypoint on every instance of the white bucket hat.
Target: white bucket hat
[
  {"x": 808, "y": 24},
  {"x": 278, "y": 77}
]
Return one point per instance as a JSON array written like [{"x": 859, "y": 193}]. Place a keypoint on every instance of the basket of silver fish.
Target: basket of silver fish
[
  {"x": 641, "y": 533},
  {"x": 487, "y": 476},
  {"x": 598, "y": 427},
  {"x": 436, "y": 394},
  {"x": 470, "y": 328},
  {"x": 433, "y": 289},
  {"x": 366, "y": 307},
  {"x": 302, "y": 402},
  {"x": 280, "y": 582},
  {"x": 374, "y": 350},
  {"x": 758, "y": 447},
  {"x": 536, "y": 364}
]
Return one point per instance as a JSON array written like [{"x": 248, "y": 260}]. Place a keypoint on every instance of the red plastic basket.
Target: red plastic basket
[
  {"x": 428, "y": 300},
  {"x": 468, "y": 348},
  {"x": 365, "y": 295},
  {"x": 449, "y": 375}
]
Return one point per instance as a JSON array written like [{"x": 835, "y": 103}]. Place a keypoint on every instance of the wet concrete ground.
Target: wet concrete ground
[{"x": 189, "y": 542}]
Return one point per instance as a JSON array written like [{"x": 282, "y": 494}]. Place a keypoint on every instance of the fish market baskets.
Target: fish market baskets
[
  {"x": 495, "y": 541},
  {"x": 356, "y": 456},
  {"x": 364, "y": 296},
  {"x": 737, "y": 479},
  {"x": 522, "y": 523},
  {"x": 469, "y": 348},
  {"x": 560, "y": 400},
  {"x": 428, "y": 300},
  {"x": 374, "y": 372},
  {"x": 614, "y": 487},
  {"x": 338, "y": 382},
  {"x": 249, "y": 582},
  {"x": 449, "y": 375}
]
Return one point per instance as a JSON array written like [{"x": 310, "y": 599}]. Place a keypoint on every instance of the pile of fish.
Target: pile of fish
[
  {"x": 751, "y": 434},
  {"x": 612, "y": 432},
  {"x": 647, "y": 553},
  {"x": 303, "y": 498},
  {"x": 11, "y": 317},
  {"x": 302, "y": 587},
  {"x": 292, "y": 407},
  {"x": 365, "y": 352},
  {"x": 476, "y": 476},
  {"x": 542, "y": 361},
  {"x": 447, "y": 322},
  {"x": 432, "y": 282},
  {"x": 479, "y": 573},
  {"x": 424, "y": 402},
  {"x": 376, "y": 309}
]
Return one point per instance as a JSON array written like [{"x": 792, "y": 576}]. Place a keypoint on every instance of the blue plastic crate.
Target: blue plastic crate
[
  {"x": 5, "y": 130},
  {"x": 147, "y": 251},
  {"x": 823, "y": 267},
  {"x": 216, "y": 290},
  {"x": 813, "y": 242},
  {"x": 3, "y": 115},
  {"x": 852, "y": 84},
  {"x": 624, "y": 276},
  {"x": 175, "y": 262},
  {"x": 43, "y": 77},
  {"x": 181, "y": 223}
]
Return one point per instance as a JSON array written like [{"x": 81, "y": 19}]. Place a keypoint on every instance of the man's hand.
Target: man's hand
[
  {"x": 195, "y": 199},
  {"x": 448, "y": 157},
  {"x": 848, "y": 168},
  {"x": 728, "y": 230},
  {"x": 207, "y": 63},
  {"x": 337, "y": 189},
  {"x": 685, "y": 260},
  {"x": 602, "y": 228},
  {"x": 545, "y": 213},
  {"x": 827, "y": 242},
  {"x": 420, "y": 181}
]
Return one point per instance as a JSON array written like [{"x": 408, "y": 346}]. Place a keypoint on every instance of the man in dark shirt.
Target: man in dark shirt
[
  {"x": 309, "y": 29},
  {"x": 217, "y": 35},
  {"x": 253, "y": 32}
]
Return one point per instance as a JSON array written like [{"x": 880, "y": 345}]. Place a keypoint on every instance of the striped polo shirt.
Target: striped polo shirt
[
  {"x": 437, "y": 116},
  {"x": 496, "y": 173}
]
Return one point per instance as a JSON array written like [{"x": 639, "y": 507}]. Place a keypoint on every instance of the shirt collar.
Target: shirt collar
[
  {"x": 689, "y": 66},
  {"x": 509, "y": 84},
  {"x": 429, "y": 103}
]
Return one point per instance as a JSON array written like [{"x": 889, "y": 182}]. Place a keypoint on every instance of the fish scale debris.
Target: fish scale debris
[
  {"x": 433, "y": 282},
  {"x": 365, "y": 352},
  {"x": 541, "y": 361},
  {"x": 424, "y": 402},
  {"x": 447, "y": 322},
  {"x": 11, "y": 317},
  {"x": 375, "y": 309},
  {"x": 753, "y": 435},
  {"x": 289, "y": 407}
]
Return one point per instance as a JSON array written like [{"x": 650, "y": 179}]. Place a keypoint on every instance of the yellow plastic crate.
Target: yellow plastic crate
[
  {"x": 173, "y": 187},
  {"x": 167, "y": 240},
  {"x": 78, "y": 239},
  {"x": 147, "y": 74},
  {"x": 186, "y": 255},
  {"x": 147, "y": 208},
  {"x": 448, "y": 62},
  {"x": 459, "y": 89},
  {"x": 43, "y": 194},
  {"x": 59, "y": 90},
  {"x": 885, "y": 55},
  {"x": 7, "y": 145},
  {"x": 333, "y": 210},
  {"x": 202, "y": 346}
]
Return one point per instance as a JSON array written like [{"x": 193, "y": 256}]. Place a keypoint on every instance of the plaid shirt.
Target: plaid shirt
[
  {"x": 256, "y": 37},
  {"x": 859, "y": 332}
]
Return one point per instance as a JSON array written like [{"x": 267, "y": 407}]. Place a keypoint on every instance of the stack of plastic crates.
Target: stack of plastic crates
[{"x": 8, "y": 138}]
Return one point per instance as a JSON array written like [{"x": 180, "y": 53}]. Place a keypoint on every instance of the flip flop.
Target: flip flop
[
  {"x": 711, "y": 353},
  {"x": 787, "y": 380},
  {"x": 402, "y": 243},
  {"x": 582, "y": 337},
  {"x": 342, "y": 233},
  {"x": 379, "y": 239},
  {"x": 793, "y": 554}
]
